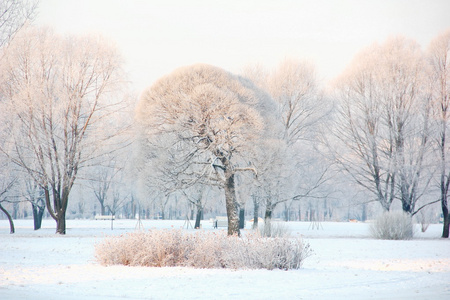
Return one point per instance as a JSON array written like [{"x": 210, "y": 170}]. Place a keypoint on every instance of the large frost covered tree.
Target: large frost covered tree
[
  {"x": 202, "y": 124},
  {"x": 56, "y": 91},
  {"x": 439, "y": 55},
  {"x": 384, "y": 122}
]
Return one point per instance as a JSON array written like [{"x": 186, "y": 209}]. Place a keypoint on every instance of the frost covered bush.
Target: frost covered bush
[
  {"x": 393, "y": 225},
  {"x": 169, "y": 248}
]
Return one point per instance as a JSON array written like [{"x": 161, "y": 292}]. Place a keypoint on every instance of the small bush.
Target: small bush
[
  {"x": 395, "y": 225},
  {"x": 169, "y": 248}
]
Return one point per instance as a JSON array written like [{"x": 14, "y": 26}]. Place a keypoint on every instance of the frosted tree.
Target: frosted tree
[
  {"x": 384, "y": 122},
  {"x": 56, "y": 91},
  {"x": 13, "y": 16},
  {"x": 208, "y": 122},
  {"x": 110, "y": 173},
  {"x": 300, "y": 110},
  {"x": 274, "y": 182},
  {"x": 439, "y": 55}
]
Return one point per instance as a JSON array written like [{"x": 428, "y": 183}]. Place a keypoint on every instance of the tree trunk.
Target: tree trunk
[
  {"x": 231, "y": 204},
  {"x": 58, "y": 212},
  {"x": 406, "y": 205},
  {"x": 364, "y": 212},
  {"x": 38, "y": 213},
  {"x": 11, "y": 223},
  {"x": 446, "y": 217},
  {"x": 191, "y": 208},
  {"x": 268, "y": 221},
  {"x": 61, "y": 222},
  {"x": 255, "y": 212},
  {"x": 198, "y": 217},
  {"x": 102, "y": 208},
  {"x": 241, "y": 218}
]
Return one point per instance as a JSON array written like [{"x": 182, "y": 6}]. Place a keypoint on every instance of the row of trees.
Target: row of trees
[
  {"x": 384, "y": 124},
  {"x": 392, "y": 122},
  {"x": 266, "y": 137}
]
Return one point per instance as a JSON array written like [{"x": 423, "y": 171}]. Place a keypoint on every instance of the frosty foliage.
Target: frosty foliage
[
  {"x": 201, "y": 124},
  {"x": 169, "y": 248},
  {"x": 393, "y": 225},
  {"x": 59, "y": 94},
  {"x": 14, "y": 14},
  {"x": 384, "y": 121}
]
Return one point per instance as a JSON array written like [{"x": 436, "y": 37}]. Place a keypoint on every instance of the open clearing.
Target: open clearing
[{"x": 346, "y": 264}]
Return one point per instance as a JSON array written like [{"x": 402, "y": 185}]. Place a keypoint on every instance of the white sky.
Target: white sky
[{"x": 156, "y": 37}]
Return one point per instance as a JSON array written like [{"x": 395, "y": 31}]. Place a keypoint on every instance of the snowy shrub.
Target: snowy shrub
[
  {"x": 393, "y": 225},
  {"x": 168, "y": 248},
  {"x": 274, "y": 229}
]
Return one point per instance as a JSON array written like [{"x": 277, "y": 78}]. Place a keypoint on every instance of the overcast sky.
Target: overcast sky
[{"x": 155, "y": 37}]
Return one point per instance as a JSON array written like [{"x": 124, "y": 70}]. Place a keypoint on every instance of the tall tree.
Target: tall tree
[
  {"x": 439, "y": 55},
  {"x": 212, "y": 119},
  {"x": 300, "y": 110},
  {"x": 384, "y": 121},
  {"x": 57, "y": 90}
]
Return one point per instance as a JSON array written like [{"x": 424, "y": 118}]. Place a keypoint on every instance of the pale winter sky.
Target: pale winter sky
[{"x": 156, "y": 37}]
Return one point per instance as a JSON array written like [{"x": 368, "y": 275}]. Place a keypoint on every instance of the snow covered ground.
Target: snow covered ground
[{"x": 347, "y": 264}]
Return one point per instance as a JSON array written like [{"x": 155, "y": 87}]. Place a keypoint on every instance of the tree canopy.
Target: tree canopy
[{"x": 208, "y": 122}]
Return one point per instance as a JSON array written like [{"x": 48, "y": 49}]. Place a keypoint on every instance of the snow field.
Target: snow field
[{"x": 346, "y": 264}]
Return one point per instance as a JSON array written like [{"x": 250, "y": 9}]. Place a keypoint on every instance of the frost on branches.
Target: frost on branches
[{"x": 202, "y": 125}]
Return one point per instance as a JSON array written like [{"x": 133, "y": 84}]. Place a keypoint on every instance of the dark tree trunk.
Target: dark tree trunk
[
  {"x": 446, "y": 221},
  {"x": 406, "y": 205},
  {"x": 11, "y": 223},
  {"x": 445, "y": 183},
  {"x": 58, "y": 212},
  {"x": 241, "y": 218},
  {"x": 255, "y": 212},
  {"x": 38, "y": 213},
  {"x": 198, "y": 217}
]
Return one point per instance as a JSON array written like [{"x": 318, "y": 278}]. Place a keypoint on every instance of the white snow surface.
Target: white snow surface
[{"x": 346, "y": 264}]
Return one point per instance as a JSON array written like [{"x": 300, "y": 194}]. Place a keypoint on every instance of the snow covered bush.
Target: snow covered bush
[
  {"x": 393, "y": 225},
  {"x": 169, "y": 248}
]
